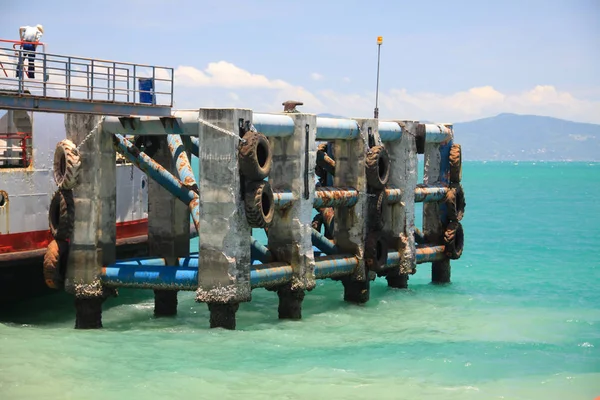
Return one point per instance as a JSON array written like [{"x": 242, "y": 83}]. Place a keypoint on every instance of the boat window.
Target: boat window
[{"x": 16, "y": 139}]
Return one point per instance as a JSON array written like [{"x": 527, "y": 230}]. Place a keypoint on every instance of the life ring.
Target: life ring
[
  {"x": 55, "y": 264},
  {"x": 455, "y": 202},
  {"x": 255, "y": 156},
  {"x": 455, "y": 163},
  {"x": 454, "y": 240},
  {"x": 66, "y": 164},
  {"x": 375, "y": 204},
  {"x": 377, "y": 167},
  {"x": 259, "y": 204},
  {"x": 376, "y": 251},
  {"x": 61, "y": 214}
]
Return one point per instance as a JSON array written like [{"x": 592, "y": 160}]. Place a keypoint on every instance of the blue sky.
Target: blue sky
[{"x": 448, "y": 61}]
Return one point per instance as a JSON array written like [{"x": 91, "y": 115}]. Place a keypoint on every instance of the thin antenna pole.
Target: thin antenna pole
[{"x": 379, "y": 42}]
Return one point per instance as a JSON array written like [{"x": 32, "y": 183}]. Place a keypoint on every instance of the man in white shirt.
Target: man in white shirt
[{"x": 31, "y": 35}]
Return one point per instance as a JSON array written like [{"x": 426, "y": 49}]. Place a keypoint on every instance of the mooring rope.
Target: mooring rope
[{"x": 219, "y": 129}]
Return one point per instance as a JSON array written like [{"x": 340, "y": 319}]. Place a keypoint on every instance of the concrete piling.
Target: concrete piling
[
  {"x": 400, "y": 217},
  {"x": 168, "y": 226},
  {"x": 93, "y": 241},
  {"x": 289, "y": 236},
  {"x": 438, "y": 140},
  {"x": 351, "y": 222},
  {"x": 225, "y": 235}
]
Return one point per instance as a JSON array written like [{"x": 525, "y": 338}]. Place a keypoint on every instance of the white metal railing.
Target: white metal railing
[{"x": 80, "y": 78}]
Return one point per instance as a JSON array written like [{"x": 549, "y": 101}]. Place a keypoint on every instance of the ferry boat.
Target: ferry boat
[{"x": 32, "y": 123}]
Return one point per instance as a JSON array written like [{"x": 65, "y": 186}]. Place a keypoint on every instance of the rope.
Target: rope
[
  {"x": 92, "y": 132},
  {"x": 225, "y": 131}
]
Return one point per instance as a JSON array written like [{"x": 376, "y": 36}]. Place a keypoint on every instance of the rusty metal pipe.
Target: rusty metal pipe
[
  {"x": 186, "y": 175},
  {"x": 335, "y": 197},
  {"x": 326, "y": 162},
  {"x": 394, "y": 195},
  {"x": 430, "y": 193}
]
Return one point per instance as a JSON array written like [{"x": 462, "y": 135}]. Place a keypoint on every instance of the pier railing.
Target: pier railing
[{"x": 98, "y": 82}]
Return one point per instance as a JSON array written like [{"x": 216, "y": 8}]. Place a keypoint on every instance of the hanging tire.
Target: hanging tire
[
  {"x": 55, "y": 264},
  {"x": 376, "y": 251},
  {"x": 454, "y": 240},
  {"x": 255, "y": 156},
  {"x": 61, "y": 214},
  {"x": 455, "y": 163},
  {"x": 260, "y": 204},
  {"x": 328, "y": 214},
  {"x": 317, "y": 222},
  {"x": 66, "y": 164},
  {"x": 378, "y": 167},
  {"x": 455, "y": 202},
  {"x": 375, "y": 204}
]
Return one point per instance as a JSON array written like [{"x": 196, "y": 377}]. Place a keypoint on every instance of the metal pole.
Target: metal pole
[{"x": 379, "y": 42}]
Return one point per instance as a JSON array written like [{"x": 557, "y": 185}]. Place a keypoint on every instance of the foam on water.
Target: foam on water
[{"x": 519, "y": 321}]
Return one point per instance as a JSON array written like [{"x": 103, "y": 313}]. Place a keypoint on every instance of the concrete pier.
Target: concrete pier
[
  {"x": 94, "y": 235},
  {"x": 168, "y": 226},
  {"x": 250, "y": 180},
  {"x": 289, "y": 236}
]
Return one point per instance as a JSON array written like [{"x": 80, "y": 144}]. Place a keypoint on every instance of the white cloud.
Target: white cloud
[
  {"x": 316, "y": 76},
  {"x": 226, "y": 75},
  {"x": 478, "y": 102}
]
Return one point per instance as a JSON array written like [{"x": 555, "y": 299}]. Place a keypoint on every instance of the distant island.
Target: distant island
[{"x": 513, "y": 137}]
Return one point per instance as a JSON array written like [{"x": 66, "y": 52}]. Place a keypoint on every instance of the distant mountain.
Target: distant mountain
[
  {"x": 528, "y": 137},
  {"x": 508, "y": 137}
]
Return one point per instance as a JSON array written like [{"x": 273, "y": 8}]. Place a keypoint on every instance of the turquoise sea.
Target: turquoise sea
[{"x": 520, "y": 320}]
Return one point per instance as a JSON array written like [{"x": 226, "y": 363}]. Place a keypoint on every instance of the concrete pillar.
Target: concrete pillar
[
  {"x": 400, "y": 217},
  {"x": 435, "y": 218},
  {"x": 168, "y": 226},
  {"x": 94, "y": 236},
  {"x": 224, "y": 261},
  {"x": 351, "y": 222},
  {"x": 294, "y": 159}
]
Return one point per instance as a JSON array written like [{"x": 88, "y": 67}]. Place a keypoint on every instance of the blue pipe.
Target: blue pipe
[
  {"x": 273, "y": 125},
  {"x": 260, "y": 252},
  {"x": 153, "y": 169},
  {"x": 437, "y": 133},
  {"x": 152, "y": 277},
  {"x": 195, "y": 145},
  {"x": 272, "y": 274},
  {"x": 283, "y": 200},
  {"x": 336, "y": 128},
  {"x": 334, "y": 266},
  {"x": 322, "y": 243},
  {"x": 389, "y": 131}
]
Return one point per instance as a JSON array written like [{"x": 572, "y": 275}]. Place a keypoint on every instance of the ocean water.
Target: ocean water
[{"x": 520, "y": 320}]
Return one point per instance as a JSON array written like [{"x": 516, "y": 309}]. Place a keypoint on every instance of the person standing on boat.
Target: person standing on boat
[{"x": 31, "y": 35}]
